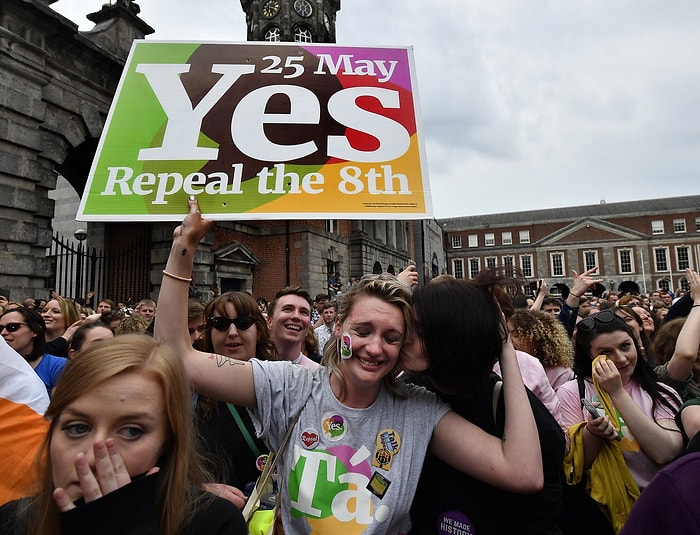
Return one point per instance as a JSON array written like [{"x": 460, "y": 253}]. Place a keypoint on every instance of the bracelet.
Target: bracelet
[
  {"x": 695, "y": 306},
  {"x": 576, "y": 296},
  {"x": 177, "y": 277}
]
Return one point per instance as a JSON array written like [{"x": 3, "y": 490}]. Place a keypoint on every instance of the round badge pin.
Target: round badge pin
[{"x": 310, "y": 438}]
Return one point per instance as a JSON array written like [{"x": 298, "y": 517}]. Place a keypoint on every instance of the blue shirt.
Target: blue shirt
[{"x": 49, "y": 370}]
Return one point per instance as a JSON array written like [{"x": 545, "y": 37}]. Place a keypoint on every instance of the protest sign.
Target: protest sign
[{"x": 261, "y": 131}]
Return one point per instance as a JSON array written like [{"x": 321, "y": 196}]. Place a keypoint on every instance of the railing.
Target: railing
[
  {"x": 122, "y": 274},
  {"x": 75, "y": 269}
]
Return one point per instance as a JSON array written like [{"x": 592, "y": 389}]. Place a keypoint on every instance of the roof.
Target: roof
[{"x": 629, "y": 208}]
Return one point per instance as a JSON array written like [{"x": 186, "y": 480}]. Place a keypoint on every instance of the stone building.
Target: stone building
[
  {"x": 56, "y": 88},
  {"x": 647, "y": 244}
]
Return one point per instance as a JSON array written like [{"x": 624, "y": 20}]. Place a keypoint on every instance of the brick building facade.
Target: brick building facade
[{"x": 647, "y": 243}]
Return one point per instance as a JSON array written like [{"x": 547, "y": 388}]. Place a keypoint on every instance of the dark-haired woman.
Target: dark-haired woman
[
  {"x": 86, "y": 335},
  {"x": 634, "y": 321},
  {"x": 24, "y": 331},
  {"x": 454, "y": 351},
  {"x": 234, "y": 327},
  {"x": 643, "y": 409}
]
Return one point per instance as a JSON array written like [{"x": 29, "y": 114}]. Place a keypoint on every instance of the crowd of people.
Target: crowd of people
[{"x": 458, "y": 406}]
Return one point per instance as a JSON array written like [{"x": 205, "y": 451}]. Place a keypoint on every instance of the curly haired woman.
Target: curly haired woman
[{"x": 543, "y": 336}]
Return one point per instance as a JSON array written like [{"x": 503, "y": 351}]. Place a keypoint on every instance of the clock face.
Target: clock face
[
  {"x": 327, "y": 22},
  {"x": 303, "y": 7},
  {"x": 270, "y": 8}
]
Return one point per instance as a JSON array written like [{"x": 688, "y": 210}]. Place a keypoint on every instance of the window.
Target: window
[
  {"x": 489, "y": 239},
  {"x": 625, "y": 261},
  {"x": 302, "y": 35},
  {"x": 507, "y": 237},
  {"x": 273, "y": 35},
  {"x": 657, "y": 227},
  {"x": 474, "y": 267},
  {"x": 331, "y": 225},
  {"x": 697, "y": 224},
  {"x": 456, "y": 242},
  {"x": 473, "y": 240},
  {"x": 526, "y": 265},
  {"x": 679, "y": 226},
  {"x": 458, "y": 268},
  {"x": 524, "y": 236},
  {"x": 556, "y": 262},
  {"x": 664, "y": 285},
  {"x": 491, "y": 262},
  {"x": 682, "y": 257},
  {"x": 590, "y": 260},
  {"x": 508, "y": 264},
  {"x": 661, "y": 258}
]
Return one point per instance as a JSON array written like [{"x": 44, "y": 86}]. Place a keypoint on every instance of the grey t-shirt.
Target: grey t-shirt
[{"x": 344, "y": 470}]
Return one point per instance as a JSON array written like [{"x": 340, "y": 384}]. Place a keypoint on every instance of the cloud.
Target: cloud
[{"x": 526, "y": 104}]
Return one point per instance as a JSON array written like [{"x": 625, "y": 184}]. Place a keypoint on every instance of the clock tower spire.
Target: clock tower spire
[{"x": 301, "y": 21}]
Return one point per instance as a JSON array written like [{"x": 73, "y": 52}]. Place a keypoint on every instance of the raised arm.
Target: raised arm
[
  {"x": 582, "y": 283},
  {"x": 215, "y": 376},
  {"x": 541, "y": 294},
  {"x": 569, "y": 311},
  {"x": 688, "y": 342},
  {"x": 513, "y": 462},
  {"x": 661, "y": 440},
  {"x": 409, "y": 276}
]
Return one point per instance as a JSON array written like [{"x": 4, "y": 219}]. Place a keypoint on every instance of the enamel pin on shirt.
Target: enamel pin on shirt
[{"x": 388, "y": 444}]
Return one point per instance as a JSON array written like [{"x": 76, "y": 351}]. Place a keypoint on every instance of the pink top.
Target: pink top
[
  {"x": 536, "y": 380},
  {"x": 558, "y": 375},
  {"x": 303, "y": 360},
  {"x": 640, "y": 465}
]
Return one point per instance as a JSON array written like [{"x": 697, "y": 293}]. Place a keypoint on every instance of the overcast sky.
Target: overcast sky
[{"x": 526, "y": 104}]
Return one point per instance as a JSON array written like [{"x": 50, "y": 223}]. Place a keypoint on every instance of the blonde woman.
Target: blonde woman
[
  {"x": 354, "y": 455},
  {"x": 62, "y": 318},
  {"x": 119, "y": 453}
]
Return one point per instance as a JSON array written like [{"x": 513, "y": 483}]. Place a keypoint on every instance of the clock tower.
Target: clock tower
[{"x": 301, "y": 21}]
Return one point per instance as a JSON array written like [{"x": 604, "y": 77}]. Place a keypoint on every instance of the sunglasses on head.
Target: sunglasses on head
[
  {"x": 604, "y": 316},
  {"x": 222, "y": 323},
  {"x": 12, "y": 327}
]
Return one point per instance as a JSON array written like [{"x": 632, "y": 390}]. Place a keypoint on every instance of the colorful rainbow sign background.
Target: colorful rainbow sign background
[{"x": 261, "y": 131}]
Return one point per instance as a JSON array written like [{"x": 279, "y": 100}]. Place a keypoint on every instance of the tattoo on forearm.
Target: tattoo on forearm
[
  {"x": 221, "y": 360},
  {"x": 184, "y": 252}
]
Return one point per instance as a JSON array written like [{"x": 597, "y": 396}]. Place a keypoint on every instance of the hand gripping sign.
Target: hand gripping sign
[{"x": 261, "y": 131}]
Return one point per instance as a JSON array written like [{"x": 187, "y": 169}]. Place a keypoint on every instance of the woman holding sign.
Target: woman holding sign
[{"x": 354, "y": 456}]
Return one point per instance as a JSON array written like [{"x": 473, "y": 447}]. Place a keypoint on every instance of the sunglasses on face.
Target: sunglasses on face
[
  {"x": 221, "y": 323},
  {"x": 12, "y": 327},
  {"x": 604, "y": 316}
]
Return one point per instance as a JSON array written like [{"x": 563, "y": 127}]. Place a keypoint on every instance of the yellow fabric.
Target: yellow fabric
[
  {"x": 262, "y": 522},
  {"x": 605, "y": 397},
  {"x": 608, "y": 481}
]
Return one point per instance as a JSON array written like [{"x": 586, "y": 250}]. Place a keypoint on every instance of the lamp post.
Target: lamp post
[{"x": 81, "y": 236}]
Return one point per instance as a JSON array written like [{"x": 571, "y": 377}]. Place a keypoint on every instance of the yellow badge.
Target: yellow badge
[{"x": 388, "y": 444}]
